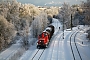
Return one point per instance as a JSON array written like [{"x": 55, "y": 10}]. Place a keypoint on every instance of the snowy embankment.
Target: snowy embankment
[
  {"x": 16, "y": 50},
  {"x": 12, "y": 53}
]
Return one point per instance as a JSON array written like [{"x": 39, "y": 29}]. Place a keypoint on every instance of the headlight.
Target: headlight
[
  {"x": 46, "y": 43},
  {"x": 37, "y": 43},
  {"x": 40, "y": 41}
]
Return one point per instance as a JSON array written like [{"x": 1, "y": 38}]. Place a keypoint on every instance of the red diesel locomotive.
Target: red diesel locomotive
[{"x": 45, "y": 36}]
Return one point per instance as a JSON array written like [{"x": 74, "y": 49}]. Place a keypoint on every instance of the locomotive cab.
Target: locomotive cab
[
  {"x": 42, "y": 40},
  {"x": 45, "y": 36}
]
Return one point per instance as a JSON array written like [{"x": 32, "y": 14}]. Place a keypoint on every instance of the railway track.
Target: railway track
[
  {"x": 38, "y": 54},
  {"x": 74, "y": 48},
  {"x": 60, "y": 41},
  {"x": 54, "y": 51}
]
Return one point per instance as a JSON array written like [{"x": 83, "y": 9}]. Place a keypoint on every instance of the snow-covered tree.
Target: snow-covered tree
[
  {"x": 86, "y": 8},
  {"x": 20, "y": 16},
  {"x": 7, "y": 32},
  {"x": 39, "y": 24},
  {"x": 28, "y": 12},
  {"x": 25, "y": 35},
  {"x": 10, "y": 10},
  {"x": 36, "y": 26},
  {"x": 52, "y": 11},
  {"x": 44, "y": 20},
  {"x": 65, "y": 14}
]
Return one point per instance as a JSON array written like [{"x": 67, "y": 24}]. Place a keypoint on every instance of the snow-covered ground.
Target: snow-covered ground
[{"x": 74, "y": 46}]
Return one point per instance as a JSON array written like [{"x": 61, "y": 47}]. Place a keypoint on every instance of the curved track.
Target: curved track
[{"x": 76, "y": 56}]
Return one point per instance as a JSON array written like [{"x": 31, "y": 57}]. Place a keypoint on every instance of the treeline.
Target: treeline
[
  {"x": 75, "y": 15},
  {"x": 64, "y": 15},
  {"x": 86, "y": 8},
  {"x": 14, "y": 18},
  {"x": 17, "y": 18}
]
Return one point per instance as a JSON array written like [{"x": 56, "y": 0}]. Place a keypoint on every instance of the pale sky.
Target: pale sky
[{"x": 50, "y": 2}]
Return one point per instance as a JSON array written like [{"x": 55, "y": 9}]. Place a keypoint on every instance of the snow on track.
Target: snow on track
[
  {"x": 83, "y": 46},
  {"x": 74, "y": 49},
  {"x": 8, "y": 53},
  {"x": 58, "y": 48}
]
